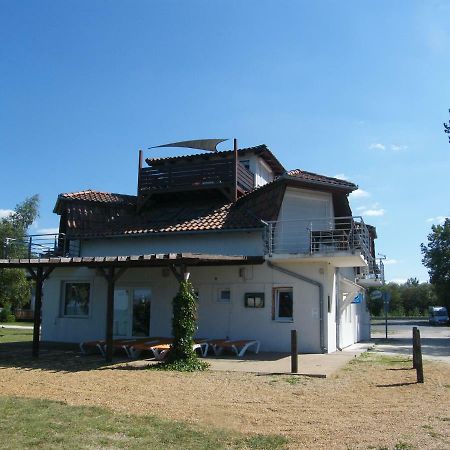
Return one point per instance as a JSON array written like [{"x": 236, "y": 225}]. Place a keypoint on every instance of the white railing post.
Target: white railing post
[{"x": 270, "y": 240}]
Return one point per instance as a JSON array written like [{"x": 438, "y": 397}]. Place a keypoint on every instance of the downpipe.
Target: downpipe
[{"x": 323, "y": 348}]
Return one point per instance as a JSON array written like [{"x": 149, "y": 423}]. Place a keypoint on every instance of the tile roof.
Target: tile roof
[
  {"x": 97, "y": 196},
  {"x": 186, "y": 217},
  {"x": 321, "y": 179},
  {"x": 261, "y": 150}
]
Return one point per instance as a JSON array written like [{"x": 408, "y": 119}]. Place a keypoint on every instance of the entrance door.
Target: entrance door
[
  {"x": 132, "y": 312},
  {"x": 141, "y": 312},
  {"x": 121, "y": 312}
]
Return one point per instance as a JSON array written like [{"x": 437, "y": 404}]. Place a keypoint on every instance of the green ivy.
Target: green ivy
[{"x": 182, "y": 356}]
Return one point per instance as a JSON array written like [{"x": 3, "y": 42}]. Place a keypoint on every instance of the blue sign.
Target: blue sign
[
  {"x": 358, "y": 298},
  {"x": 375, "y": 295}
]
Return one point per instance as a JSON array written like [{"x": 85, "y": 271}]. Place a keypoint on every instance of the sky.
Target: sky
[{"x": 354, "y": 89}]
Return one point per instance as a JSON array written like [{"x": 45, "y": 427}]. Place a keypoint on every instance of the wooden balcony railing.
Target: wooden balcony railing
[{"x": 192, "y": 176}]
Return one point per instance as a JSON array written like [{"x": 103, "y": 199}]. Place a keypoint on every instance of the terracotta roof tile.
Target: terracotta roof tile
[
  {"x": 316, "y": 178},
  {"x": 97, "y": 196}
]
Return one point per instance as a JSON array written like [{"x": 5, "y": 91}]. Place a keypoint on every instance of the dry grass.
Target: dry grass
[{"x": 373, "y": 403}]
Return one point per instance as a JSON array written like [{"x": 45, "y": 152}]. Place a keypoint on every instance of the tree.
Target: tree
[
  {"x": 447, "y": 128},
  {"x": 15, "y": 288},
  {"x": 436, "y": 257}
]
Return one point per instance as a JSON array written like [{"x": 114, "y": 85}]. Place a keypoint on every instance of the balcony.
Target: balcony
[
  {"x": 39, "y": 246},
  {"x": 372, "y": 275},
  {"x": 190, "y": 176},
  {"x": 343, "y": 241}
]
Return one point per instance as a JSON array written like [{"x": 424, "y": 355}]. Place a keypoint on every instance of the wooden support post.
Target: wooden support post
[
  {"x": 294, "y": 352},
  {"x": 109, "y": 314},
  {"x": 417, "y": 355},
  {"x": 139, "y": 172},
  {"x": 236, "y": 162},
  {"x": 39, "y": 278}
]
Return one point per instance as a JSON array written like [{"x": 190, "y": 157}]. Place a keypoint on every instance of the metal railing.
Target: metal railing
[
  {"x": 373, "y": 272},
  {"x": 318, "y": 236},
  {"x": 39, "y": 246}
]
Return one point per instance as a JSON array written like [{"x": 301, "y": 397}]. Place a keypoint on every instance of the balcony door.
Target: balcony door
[{"x": 132, "y": 308}]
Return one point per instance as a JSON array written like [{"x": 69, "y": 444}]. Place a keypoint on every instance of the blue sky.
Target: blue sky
[{"x": 352, "y": 89}]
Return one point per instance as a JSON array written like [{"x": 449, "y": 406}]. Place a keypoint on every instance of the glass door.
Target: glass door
[
  {"x": 121, "y": 312},
  {"x": 141, "y": 312}
]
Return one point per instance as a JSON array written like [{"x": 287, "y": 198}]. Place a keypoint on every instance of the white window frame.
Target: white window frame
[
  {"x": 63, "y": 299},
  {"x": 276, "y": 300},
  {"x": 220, "y": 299}
]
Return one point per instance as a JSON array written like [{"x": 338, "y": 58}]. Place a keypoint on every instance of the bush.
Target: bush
[{"x": 6, "y": 315}]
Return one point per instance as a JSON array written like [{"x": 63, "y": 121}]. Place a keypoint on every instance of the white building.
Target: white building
[{"x": 310, "y": 259}]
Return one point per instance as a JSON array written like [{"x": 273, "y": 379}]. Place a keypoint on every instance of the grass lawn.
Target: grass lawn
[
  {"x": 43, "y": 424},
  {"x": 15, "y": 335}
]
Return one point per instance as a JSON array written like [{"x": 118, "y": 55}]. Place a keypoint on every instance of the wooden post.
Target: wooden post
[
  {"x": 236, "y": 162},
  {"x": 294, "y": 352},
  {"x": 414, "y": 329},
  {"x": 139, "y": 172},
  {"x": 109, "y": 314},
  {"x": 417, "y": 355},
  {"x": 39, "y": 278}
]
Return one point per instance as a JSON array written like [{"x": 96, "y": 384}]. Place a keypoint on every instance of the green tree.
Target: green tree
[
  {"x": 436, "y": 257},
  {"x": 447, "y": 128},
  {"x": 15, "y": 288}
]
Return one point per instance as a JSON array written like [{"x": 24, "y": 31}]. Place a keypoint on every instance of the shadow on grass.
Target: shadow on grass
[
  {"x": 53, "y": 357},
  {"x": 406, "y": 383}
]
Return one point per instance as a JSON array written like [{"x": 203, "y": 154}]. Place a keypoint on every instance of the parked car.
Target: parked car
[{"x": 438, "y": 315}]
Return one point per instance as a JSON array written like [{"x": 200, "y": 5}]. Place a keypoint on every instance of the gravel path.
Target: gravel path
[{"x": 366, "y": 404}]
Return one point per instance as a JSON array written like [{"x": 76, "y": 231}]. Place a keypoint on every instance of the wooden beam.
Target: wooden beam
[
  {"x": 179, "y": 271},
  {"x": 236, "y": 162},
  {"x": 39, "y": 277},
  {"x": 37, "y": 310}
]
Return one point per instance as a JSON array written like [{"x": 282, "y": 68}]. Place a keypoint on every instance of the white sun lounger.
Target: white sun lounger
[{"x": 237, "y": 346}]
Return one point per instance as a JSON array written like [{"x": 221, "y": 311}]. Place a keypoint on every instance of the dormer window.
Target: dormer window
[{"x": 246, "y": 163}]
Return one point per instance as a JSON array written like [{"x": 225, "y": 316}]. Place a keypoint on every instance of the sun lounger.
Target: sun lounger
[
  {"x": 237, "y": 346},
  {"x": 96, "y": 345},
  {"x": 156, "y": 346},
  {"x": 123, "y": 344},
  {"x": 162, "y": 347}
]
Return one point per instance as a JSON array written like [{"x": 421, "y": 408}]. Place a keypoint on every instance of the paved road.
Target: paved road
[{"x": 435, "y": 339}]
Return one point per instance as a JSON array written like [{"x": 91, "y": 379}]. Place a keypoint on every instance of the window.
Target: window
[
  {"x": 76, "y": 299},
  {"x": 224, "y": 296},
  {"x": 283, "y": 305},
  {"x": 254, "y": 300},
  {"x": 246, "y": 163}
]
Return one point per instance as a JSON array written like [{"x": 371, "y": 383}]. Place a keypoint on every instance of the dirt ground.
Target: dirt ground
[{"x": 366, "y": 405}]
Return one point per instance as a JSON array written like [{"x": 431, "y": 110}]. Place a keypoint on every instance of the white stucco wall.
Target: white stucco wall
[
  {"x": 354, "y": 323},
  {"x": 215, "y": 320},
  {"x": 263, "y": 173},
  {"x": 301, "y": 211},
  {"x": 223, "y": 243}
]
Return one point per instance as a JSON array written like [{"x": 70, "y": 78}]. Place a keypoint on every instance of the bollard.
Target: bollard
[
  {"x": 414, "y": 345},
  {"x": 294, "y": 352},
  {"x": 417, "y": 355}
]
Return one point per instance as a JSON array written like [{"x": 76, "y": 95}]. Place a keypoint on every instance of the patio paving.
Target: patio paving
[{"x": 317, "y": 365}]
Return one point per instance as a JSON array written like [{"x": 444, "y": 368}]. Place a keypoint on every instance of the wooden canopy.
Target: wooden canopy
[{"x": 41, "y": 268}]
